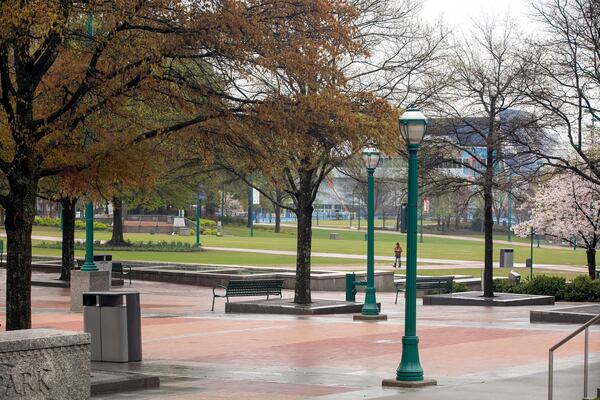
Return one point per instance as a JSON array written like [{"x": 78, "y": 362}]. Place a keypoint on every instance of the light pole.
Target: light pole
[
  {"x": 89, "y": 265},
  {"x": 201, "y": 196},
  {"x": 358, "y": 216},
  {"x": 509, "y": 223},
  {"x": 410, "y": 373},
  {"x": 422, "y": 203},
  {"x": 371, "y": 158},
  {"x": 531, "y": 256}
]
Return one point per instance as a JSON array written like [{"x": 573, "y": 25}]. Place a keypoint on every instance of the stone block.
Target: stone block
[
  {"x": 44, "y": 364},
  {"x": 82, "y": 282}
]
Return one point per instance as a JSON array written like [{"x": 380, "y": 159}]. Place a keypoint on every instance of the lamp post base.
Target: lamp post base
[
  {"x": 376, "y": 317},
  {"x": 408, "y": 384}
]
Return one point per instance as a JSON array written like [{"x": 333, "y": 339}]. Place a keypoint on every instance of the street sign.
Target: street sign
[
  {"x": 425, "y": 205},
  {"x": 255, "y": 197}
]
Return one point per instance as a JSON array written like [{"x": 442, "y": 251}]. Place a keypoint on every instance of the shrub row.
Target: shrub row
[
  {"x": 55, "y": 222},
  {"x": 582, "y": 288},
  {"x": 133, "y": 246}
]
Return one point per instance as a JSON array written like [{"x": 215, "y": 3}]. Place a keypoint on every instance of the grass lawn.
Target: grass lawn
[
  {"x": 207, "y": 257},
  {"x": 350, "y": 242}
]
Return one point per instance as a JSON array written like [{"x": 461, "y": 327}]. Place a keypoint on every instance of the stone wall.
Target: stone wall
[{"x": 44, "y": 364}]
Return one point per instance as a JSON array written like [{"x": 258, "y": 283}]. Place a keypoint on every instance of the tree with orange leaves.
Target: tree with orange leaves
[{"x": 59, "y": 86}]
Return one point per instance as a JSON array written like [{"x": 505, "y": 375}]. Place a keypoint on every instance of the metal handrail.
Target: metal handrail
[{"x": 585, "y": 327}]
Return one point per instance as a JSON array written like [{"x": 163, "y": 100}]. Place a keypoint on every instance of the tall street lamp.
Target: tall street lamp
[
  {"x": 89, "y": 265},
  {"x": 370, "y": 310},
  {"x": 410, "y": 373},
  {"x": 201, "y": 196}
]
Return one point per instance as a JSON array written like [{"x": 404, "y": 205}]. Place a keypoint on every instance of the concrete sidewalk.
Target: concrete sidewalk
[{"x": 473, "y": 352}]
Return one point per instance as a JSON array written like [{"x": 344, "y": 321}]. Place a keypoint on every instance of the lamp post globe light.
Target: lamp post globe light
[
  {"x": 410, "y": 373},
  {"x": 370, "y": 156}
]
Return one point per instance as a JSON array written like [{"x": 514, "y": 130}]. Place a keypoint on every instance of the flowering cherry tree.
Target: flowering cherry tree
[{"x": 567, "y": 208}]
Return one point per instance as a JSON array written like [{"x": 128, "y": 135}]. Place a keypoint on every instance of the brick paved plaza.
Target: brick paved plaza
[{"x": 473, "y": 352}]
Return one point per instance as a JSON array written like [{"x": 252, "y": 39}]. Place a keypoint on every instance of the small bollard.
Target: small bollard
[
  {"x": 351, "y": 284},
  {"x": 350, "y": 287}
]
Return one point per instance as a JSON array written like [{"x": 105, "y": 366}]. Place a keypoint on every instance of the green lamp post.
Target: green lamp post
[
  {"x": 509, "y": 222},
  {"x": 201, "y": 196},
  {"x": 371, "y": 158},
  {"x": 89, "y": 265},
  {"x": 412, "y": 128}
]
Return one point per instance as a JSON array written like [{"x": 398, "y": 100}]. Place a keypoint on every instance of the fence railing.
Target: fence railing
[{"x": 584, "y": 328}]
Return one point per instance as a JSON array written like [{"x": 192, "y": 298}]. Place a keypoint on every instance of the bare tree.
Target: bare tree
[
  {"x": 563, "y": 64},
  {"x": 478, "y": 114}
]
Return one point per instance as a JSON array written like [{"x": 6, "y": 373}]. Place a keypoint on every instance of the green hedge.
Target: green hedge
[
  {"x": 46, "y": 221},
  {"x": 79, "y": 224},
  {"x": 582, "y": 288},
  {"x": 458, "y": 287},
  {"x": 172, "y": 246}
]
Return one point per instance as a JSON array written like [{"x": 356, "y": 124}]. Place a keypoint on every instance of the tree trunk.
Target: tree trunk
[
  {"x": 383, "y": 216},
  {"x": 68, "y": 237},
  {"x": 398, "y": 216},
  {"x": 304, "y": 244},
  {"x": 20, "y": 213},
  {"x": 457, "y": 222},
  {"x": 591, "y": 262},
  {"x": 117, "y": 238},
  {"x": 304, "y": 211},
  {"x": 488, "y": 222},
  {"x": 277, "y": 210}
]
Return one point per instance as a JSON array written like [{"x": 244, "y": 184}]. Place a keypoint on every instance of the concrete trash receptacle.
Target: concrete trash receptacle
[{"x": 114, "y": 321}]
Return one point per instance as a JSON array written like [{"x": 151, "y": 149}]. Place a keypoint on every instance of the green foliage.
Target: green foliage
[
  {"x": 207, "y": 222},
  {"x": 79, "y": 224},
  {"x": 582, "y": 288},
  {"x": 163, "y": 246},
  {"x": 546, "y": 285},
  {"x": 46, "y": 221},
  {"x": 458, "y": 287},
  {"x": 98, "y": 226},
  {"x": 211, "y": 232}
]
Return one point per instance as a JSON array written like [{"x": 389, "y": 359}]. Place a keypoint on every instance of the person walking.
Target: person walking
[{"x": 398, "y": 254}]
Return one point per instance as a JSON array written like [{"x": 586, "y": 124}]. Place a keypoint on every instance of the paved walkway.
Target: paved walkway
[{"x": 474, "y": 352}]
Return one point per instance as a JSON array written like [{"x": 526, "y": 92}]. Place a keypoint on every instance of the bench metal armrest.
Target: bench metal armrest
[{"x": 220, "y": 287}]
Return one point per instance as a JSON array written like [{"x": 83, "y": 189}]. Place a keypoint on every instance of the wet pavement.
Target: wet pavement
[{"x": 473, "y": 352}]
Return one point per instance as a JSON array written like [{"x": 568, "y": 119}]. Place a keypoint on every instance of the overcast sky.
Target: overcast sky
[{"x": 459, "y": 14}]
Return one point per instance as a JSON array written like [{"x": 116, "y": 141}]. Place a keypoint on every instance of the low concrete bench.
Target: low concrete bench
[
  {"x": 441, "y": 283},
  {"x": 262, "y": 287},
  {"x": 334, "y": 236}
]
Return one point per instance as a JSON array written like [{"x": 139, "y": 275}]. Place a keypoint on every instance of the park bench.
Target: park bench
[
  {"x": 120, "y": 272},
  {"x": 441, "y": 283},
  {"x": 262, "y": 287}
]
